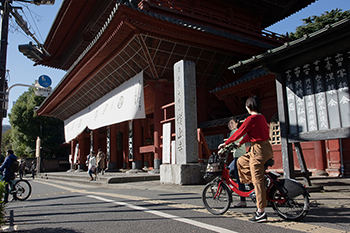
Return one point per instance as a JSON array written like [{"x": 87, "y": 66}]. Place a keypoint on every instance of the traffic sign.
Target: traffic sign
[
  {"x": 44, "y": 81},
  {"x": 45, "y": 92}
]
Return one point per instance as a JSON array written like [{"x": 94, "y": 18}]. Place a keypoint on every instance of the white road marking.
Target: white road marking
[{"x": 165, "y": 215}]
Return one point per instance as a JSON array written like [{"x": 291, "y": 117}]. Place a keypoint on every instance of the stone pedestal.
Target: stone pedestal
[
  {"x": 112, "y": 167},
  {"x": 181, "y": 174},
  {"x": 137, "y": 164},
  {"x": 156, "y": 169},
  {"x": 80, "y": 168}
]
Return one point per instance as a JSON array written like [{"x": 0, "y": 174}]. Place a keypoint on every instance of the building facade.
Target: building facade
[{"x": 109, "y": 42}]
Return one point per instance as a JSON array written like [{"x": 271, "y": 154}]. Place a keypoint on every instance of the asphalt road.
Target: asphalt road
[{"x": 67, "y": 207}]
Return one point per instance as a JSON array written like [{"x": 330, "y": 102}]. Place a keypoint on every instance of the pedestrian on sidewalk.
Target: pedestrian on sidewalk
[
  {"x": 33, "y": 168},
  {"x": 91, "y": 161},
  {"x": 101, "y": 161},
  {"x": 21, "y": 169}
]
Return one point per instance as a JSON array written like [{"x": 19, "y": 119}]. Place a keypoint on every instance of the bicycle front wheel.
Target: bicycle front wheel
[
  {"x": 216, "y": 200},
  {"x": 293, "y": 209},
  {"x": 22, "y": 190}
]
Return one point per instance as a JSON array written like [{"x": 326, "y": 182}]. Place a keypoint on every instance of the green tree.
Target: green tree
[
  {"x": 27, "y": 126},
  {"x": 314, "y": 23},
  {"x": 6, "y": 141}
]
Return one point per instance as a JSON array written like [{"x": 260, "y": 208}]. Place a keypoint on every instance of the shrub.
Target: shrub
[{"x": 2, "y": 203}]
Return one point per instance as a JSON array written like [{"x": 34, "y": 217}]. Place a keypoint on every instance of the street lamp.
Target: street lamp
[{"x": 6, "y": 9}]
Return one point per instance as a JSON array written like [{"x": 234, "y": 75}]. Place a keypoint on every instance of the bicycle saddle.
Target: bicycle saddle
[{"x": 269, "y": 163}]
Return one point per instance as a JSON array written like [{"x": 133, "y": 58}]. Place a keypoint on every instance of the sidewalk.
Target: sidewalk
[{"x": 107, "y": 178}]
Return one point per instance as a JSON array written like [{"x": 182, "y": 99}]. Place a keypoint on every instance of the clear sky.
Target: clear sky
[{"x": 40, "y": 19}]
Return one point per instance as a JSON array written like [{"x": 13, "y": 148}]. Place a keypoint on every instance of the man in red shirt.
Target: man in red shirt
[{"x": 251, "y": 165}]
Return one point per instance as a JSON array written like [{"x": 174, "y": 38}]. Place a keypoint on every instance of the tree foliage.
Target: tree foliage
[
  {"x": 27, "y": 126},
  {"x": 314, "y": 23},
  {"x": 6, "y": 142}
]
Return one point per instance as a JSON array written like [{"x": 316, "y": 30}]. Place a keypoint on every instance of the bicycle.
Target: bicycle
[
  {"x": 288, "y": 197},
  {"x": 19, "y": 189}
]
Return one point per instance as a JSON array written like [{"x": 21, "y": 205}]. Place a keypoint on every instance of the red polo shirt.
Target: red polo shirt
[{"x": 256, "y": 128}]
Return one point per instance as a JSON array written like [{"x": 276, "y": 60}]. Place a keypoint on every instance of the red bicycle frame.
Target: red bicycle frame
[{"x": 234, "y": 186}]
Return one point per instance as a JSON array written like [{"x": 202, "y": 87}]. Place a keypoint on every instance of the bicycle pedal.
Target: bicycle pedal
[{"x": 248, "y": 187}]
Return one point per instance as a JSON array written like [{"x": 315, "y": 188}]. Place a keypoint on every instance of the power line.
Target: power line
[{"x": 36, "y": 26}]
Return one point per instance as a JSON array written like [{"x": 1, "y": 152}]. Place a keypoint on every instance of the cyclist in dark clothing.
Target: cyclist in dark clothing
[{"x": 7, "y": 174}]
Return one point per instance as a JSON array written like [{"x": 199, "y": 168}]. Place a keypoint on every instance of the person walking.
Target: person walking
[
  {"x": 21, "y": 169},
  {"x": 7, "y": 174},
  {"x": 251, "y": 165},
  {"x": 233, "y": 125},
  {"x": 33, "y": 168},
  {"x": 91, "y": 160},
  {"x": 101, "y": 161}
]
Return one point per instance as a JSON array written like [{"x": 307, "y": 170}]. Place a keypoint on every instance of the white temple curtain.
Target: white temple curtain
[{"x": 126, "y": 102}]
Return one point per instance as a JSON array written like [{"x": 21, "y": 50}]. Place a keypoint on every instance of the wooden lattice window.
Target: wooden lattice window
[{"x": 275, "y": 133}]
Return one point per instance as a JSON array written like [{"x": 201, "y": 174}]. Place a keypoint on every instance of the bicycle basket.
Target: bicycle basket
[
  {"x": 214, "y": 164},
  {"x": 214, "y": 167}
]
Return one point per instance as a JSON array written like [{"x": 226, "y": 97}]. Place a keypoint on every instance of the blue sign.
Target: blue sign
[{"x": 44, "y": 81}]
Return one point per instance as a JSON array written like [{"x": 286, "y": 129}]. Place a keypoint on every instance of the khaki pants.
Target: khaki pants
[{"x": 251, "y": 169}]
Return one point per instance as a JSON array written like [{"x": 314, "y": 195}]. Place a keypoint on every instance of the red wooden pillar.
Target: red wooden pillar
[
  {"x": 125, "y": 130},
  {"x": 84, "y": 146},
  {"x": 147, "y": 157},
  {"x": 158, "y": 117},
  {"x": 320, "y": 158},
  {"x": 102, "y": 142},
  {"x": 96, "y": 140}
]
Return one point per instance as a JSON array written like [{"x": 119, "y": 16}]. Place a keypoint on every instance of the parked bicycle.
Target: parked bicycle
[
  {"x": 288, "y": 197},
  {"x": 19, "y": 189}
]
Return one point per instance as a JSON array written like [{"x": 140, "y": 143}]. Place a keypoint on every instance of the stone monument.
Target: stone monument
[{"x": 186, "y": 170}]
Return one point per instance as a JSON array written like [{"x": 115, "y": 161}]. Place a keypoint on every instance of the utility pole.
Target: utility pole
[
  {"x": 5, "y": 12},
  {"x": 6, "y": 9}
]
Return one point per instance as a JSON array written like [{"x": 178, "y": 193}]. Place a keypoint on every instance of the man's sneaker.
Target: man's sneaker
[{"x": 259, "y": 217}]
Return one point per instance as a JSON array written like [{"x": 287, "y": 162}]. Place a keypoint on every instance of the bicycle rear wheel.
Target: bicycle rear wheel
[
  {"x": 216, "y": 200},
  {"x": 22, "y": 190},
  {"x": 295, "y": 208}
]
